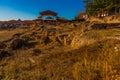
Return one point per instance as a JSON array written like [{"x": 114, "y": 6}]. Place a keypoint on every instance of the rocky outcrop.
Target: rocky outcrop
[{"x": 105, "y": 25}]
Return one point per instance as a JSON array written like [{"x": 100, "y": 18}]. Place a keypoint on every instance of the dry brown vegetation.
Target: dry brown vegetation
[
  {"x": 107, "y": 19},
  {"x": 64, "y": 52}
]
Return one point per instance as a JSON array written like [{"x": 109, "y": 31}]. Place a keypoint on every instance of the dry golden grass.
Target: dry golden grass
[
  {"x": 7, "y": 34},
  {"x": 91, "y": 55},
  {"x": 99, "y": 61}
]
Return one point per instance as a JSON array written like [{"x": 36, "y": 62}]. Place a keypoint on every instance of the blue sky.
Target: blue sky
[{"x": 29, "y": 9}]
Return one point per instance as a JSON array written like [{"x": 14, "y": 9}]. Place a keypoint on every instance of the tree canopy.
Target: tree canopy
[{"x": 93, "y": 7}]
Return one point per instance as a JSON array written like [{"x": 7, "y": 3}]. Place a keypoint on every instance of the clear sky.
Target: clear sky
[{"x": 29, "y": 9}]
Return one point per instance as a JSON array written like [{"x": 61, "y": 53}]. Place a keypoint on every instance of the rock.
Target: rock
[
  {"x": 36, "y": 52},
  {"x": 33, "y": 33},
  {"x": 4, "y": 54},
  {"x": 28, "y": 37},
  {"x": 99, "y": 26},
  {"x": 17, "y": 35},
  {"x": 47, "y": 40},
  {"x": 18, "y": 44},
  {"x": 2, "y": 45}
]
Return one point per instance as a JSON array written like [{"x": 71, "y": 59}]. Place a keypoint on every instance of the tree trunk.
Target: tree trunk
[
  {"x": 119, "y": 11},
  {"x": 115, "y": 10}
]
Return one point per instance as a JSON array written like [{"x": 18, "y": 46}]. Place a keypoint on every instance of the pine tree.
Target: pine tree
[{"x": 95, "y": 7}]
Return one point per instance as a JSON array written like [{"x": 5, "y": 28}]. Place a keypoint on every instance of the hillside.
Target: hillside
[{"x": 69, "y": 51}]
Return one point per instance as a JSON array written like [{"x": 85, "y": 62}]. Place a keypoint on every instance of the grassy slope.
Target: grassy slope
[{"x": 91, "y": 55}]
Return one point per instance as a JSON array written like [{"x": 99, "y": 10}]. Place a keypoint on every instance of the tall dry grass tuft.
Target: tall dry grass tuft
[
  {"x": 100, "y": 62},
  {"x": 87, "y": 38}
]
